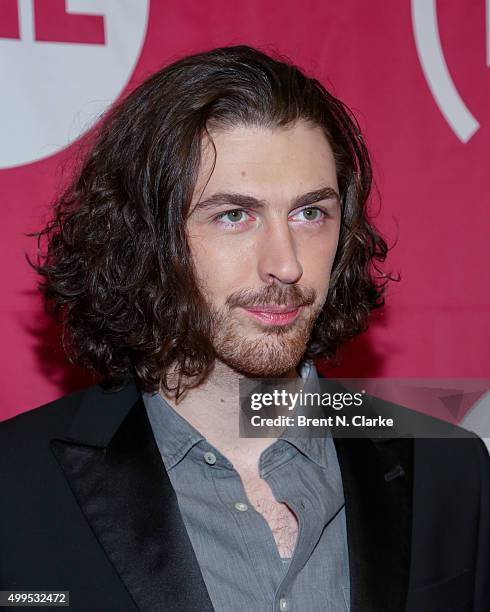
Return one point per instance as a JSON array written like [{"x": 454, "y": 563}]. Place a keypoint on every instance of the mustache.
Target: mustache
[{"x": 289, "y": 295}]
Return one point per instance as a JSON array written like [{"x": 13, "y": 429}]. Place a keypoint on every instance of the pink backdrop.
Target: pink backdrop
[{"x": 415, "y": 73}]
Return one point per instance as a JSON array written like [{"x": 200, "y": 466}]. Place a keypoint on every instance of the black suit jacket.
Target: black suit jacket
[{"x": 86, "y": 506}]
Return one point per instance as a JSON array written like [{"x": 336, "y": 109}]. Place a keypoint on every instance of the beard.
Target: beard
[{"x": 260, "y": 350}]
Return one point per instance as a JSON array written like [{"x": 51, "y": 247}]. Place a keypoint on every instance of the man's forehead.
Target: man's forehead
[{"x": 265, "y": 164}]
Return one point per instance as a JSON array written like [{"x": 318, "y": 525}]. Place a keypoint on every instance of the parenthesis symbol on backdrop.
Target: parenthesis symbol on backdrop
[{"x": 431, "y": 57}]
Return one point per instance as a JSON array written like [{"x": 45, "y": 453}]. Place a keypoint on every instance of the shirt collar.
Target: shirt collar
[
  {"x": 175, "y": 436},
  {"x": 313, "y": 447}
]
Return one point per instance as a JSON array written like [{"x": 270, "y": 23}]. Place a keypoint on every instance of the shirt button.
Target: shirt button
[
  {"x": 283, "y": 604},
  {"x": 210, "y": 458},
  {"x": 241, "y": 506}
]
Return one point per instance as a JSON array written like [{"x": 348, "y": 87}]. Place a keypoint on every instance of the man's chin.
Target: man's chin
[
  {"x": 263, "y": 370},
  {"x": 256, "y": 361},
  {"x": 262, "y": 353}
]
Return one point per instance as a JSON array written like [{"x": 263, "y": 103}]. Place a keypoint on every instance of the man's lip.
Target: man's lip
[
  {"x": 274, "y": 309},
  {"x": 273, "y": 317}
]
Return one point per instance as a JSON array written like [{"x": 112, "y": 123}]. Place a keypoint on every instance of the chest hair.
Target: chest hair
[{"x": 280, "y": 518}]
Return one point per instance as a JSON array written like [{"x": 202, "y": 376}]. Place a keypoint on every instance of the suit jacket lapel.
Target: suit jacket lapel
[
  {"x": 114, "y": 469},
  {"x": 377, "y": 476}
]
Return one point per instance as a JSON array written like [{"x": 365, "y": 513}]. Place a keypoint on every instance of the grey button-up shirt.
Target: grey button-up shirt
[{"x": 233, "y": 543}]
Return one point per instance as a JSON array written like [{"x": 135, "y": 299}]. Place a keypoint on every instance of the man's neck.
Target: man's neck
[{"x": 213, "y": 408}]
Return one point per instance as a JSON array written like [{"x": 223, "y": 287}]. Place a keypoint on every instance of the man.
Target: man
[{"x": 217, "y": 231}]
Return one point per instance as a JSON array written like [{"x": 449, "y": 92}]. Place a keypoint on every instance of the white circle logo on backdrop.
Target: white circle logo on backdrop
[
  {"x": 62, "y": 64},
  {"x": 431, "y": 57}
]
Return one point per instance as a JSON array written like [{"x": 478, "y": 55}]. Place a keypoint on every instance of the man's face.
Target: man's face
[{"x": 263, "y": 237}]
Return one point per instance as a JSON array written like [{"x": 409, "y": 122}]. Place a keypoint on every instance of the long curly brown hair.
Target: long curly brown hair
[{"x": 117, "y": 271}]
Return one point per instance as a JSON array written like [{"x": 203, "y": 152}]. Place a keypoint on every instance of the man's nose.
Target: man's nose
[{"x": 277, "y": 255}]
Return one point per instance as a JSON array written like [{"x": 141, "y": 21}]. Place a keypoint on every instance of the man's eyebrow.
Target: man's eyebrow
[{"x": 247, "y": 201}]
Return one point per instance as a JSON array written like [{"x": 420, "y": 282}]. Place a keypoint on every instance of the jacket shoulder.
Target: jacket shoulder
[
  {"x": 45, "y": 415},
  {"x": 26, "y": 436},
  {"x": 90, "y": 416}
]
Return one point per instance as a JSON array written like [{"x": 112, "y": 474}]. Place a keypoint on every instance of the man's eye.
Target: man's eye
[
  {"x": 233, "y": 216},
  {"x": 312, "y": 214}
]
